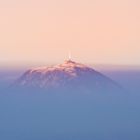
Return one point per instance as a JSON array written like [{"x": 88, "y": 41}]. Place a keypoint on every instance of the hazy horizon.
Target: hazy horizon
[{"x": 108, "y": 67}]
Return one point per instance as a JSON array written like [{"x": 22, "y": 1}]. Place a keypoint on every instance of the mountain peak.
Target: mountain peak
[
  {"x": 68, "y": 74},
  {"x": 69, "y": 62}
]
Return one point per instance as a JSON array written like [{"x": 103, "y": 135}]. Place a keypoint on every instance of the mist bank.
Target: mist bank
[{"x": 34, "y": 114}]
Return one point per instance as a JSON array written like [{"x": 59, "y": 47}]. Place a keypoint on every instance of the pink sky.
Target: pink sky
[{"x": 44, "y": 31}]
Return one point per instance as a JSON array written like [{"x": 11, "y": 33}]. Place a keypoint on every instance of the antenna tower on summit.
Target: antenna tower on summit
[{"x": 70, "y": 56}]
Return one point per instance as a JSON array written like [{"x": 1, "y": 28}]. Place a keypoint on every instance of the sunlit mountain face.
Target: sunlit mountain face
[{"x": 69, "y": 75}]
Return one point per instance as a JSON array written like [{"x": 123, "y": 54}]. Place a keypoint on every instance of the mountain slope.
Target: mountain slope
[{"x": 69, "y": 75}]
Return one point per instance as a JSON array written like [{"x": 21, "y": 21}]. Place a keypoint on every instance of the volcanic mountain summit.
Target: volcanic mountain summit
[{"x": 69, "y": 75}]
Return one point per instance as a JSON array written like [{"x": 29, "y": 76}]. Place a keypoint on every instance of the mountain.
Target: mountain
[{"x": 69, "y": 75}]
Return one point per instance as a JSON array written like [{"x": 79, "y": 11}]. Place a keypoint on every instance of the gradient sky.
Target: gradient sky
[{"x": 44, "y": 31}]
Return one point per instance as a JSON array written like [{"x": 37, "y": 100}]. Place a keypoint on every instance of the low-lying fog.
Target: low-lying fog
[{"x": 26, "y": 115}]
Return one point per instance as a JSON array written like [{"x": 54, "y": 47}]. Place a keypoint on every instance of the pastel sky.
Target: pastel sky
[{"x": 44, "y": 31}]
